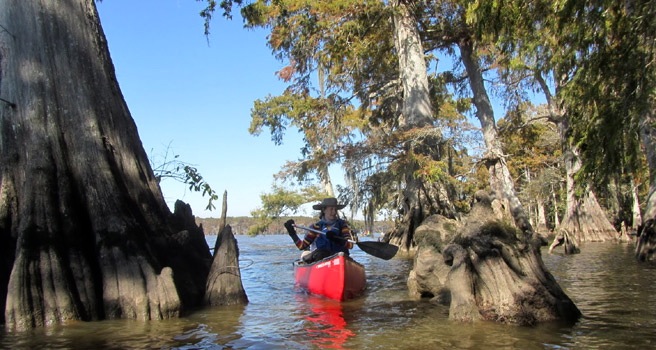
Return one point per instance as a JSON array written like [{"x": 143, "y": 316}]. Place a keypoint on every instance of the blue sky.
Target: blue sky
[
  {"x": 195, "y": 93},
  {"x": 197, "y": 96}
]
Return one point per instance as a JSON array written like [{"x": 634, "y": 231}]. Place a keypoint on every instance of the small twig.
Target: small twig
[
  {"x": 8, "y": 32},
  {"x": 11, "y": 104}
]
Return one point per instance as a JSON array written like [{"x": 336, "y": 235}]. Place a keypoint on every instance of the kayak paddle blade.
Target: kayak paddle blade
[{"x": 381, "y": 250}]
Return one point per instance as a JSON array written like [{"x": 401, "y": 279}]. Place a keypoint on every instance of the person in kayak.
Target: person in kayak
[{"x": 335, "y": 238}]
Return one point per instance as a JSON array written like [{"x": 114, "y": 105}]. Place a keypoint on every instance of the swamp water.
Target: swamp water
[{"x": 616, "y": 295}]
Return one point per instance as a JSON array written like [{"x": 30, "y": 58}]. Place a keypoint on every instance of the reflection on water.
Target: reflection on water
[
  {"x": 325, "y": 326},
  {"x": 615, "y": 293}
]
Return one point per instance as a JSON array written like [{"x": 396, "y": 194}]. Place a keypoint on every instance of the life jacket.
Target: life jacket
[{"x": 322, "y": 242}]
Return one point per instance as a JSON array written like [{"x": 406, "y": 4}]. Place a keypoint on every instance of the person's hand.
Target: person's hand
[
  {"x": 289, "y": 225},
  {"x": 334, "y": 236}
]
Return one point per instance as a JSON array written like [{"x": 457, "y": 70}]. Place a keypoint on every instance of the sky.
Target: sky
[
  {"x": 195, "y": 93},
  {"x": 192, "y": 95}
]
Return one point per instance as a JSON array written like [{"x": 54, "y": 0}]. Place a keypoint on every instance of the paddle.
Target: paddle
[{"x": 381, "y": 250}]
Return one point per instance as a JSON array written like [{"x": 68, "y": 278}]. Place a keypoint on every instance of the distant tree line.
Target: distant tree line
[
  {"x": 240, "y": 225},
  {"x": 391, "y": 91}
]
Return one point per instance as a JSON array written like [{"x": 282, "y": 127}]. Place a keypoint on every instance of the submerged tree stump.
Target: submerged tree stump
[
  {"x": 224, "y": 286},
  {"x": 567, "y": 240},
  {"x": 489, "y": 271},
  {"x": 428, "y": 276},
  {"x": 188, "y": 253},
  {"x": 585, "y": 221},
  {"x": 85, "y": 232},
  {"x": 646, "y": 241}
]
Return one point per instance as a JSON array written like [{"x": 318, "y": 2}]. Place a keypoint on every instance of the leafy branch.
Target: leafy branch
[
  {"x": 168, "y": 166},
  {"x": 196, "y": 183}
]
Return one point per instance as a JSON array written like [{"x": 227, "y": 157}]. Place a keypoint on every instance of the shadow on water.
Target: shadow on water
[{"x": 613, "y": 291}]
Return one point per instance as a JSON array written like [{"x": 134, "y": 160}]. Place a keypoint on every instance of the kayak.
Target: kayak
[{"x": 336, "y": 277}]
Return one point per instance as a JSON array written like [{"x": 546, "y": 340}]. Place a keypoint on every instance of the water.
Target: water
[{"x": 614, "y": 292}]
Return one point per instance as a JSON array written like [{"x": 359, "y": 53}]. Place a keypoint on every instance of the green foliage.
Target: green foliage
[
  {"x": 532, "y": 143},
  {"x": 169, "y": 166},
  {"x": 260, "y": 225},
  {"x": 306, "y": 113},
  {"x": 599, "y": 59},
  {"x": 196, "y": 183},
  {"x": 593, "y": 61},
  {"x": 225, "y": 5},
  {"x": 282, "y": 201},
  {"x": 242, "y": 224},
  {"x": 279, "y": 202},
  {"x": 344, "y": 96}
]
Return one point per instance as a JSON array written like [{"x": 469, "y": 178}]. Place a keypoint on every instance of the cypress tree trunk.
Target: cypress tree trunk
[
  {"x": 517, "y": 273},
  {"x": 541, "y": 218},
  {"x": 501, "y": 181},
  {"x": 584, "y": 220},
  {"x": 647, "y": 233},
  {"x": 483, "y": 269},
  {"x": 636, "y": 216},
  {"x": 224, "y": 285},
  {"x": 417, "y": 109},
  {"x": 324, "y": 178},
  {"x": 555, "y": 205},
  {"x": 84, "y": 228},
  {"x": 416, "y": 199}
]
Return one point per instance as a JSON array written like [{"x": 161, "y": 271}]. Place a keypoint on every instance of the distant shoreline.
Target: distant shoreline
[{"x": 240, "y": 224}]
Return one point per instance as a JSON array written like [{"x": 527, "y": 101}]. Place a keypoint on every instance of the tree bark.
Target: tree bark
[
  {"x": 417, "y": 199},
  {"x": 584, "y": 219},
  {"x": 417, "y": 110},
  {"x": 647, "y": 233},
  {"x": 501, "y": 181},
  {"x": 484, "y": 270},
  {"x": 224, "y": 212},
  {"x": 85, "y": 231},
  {"x": 541, "y": 219},
  {"x": 555, "y": 205},
  {"x": 324, "y": 178},
  {"x": 224, "y": 285},
  {"x": 636, "y": 216}
]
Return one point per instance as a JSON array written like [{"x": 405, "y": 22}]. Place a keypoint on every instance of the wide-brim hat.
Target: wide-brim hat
[{"x": 328, "y": 202}]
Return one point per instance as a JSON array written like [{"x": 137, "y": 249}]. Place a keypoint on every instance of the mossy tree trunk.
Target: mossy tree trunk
[
  {"x": 584, "y": 219},
  {"x": 85, "y": 231},
  {"x": 417, "y": 199},
  {"x": 501, "y": 181},
  {"x": 647, "y": 232},
  {"x": 484, "y": 269}
]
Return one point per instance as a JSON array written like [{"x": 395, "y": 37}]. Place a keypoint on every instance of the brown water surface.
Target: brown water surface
[{"x": 615, "y": 293}]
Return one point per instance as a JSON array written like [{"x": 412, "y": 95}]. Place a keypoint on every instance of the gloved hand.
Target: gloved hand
[
  {"x": 289, "y": 225},
  {"x": 334, "y": 236}
]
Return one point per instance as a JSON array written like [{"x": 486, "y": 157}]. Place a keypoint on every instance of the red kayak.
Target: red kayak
[{"x": 336, "y": 277}]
